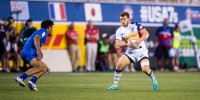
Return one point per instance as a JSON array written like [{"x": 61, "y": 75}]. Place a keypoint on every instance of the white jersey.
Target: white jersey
[{"x": 132, "y": 30}]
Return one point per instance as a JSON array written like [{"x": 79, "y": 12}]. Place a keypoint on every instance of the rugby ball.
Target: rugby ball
[{"x": 131, "y": 41}]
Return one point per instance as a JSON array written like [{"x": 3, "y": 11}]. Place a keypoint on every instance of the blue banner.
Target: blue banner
[
  {"x": 150, "y": 14},
  {"x": 75, "y": 12}
]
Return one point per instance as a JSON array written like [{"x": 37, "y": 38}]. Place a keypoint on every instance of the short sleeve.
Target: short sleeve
[
  {"x": 41, "y": 34},
  {"x": 118, "y": 35}
]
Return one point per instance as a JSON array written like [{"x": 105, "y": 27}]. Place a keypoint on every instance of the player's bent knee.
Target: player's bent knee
[
  {"x": 45, "y": 68},
  {"x": 144, "y": 65},
  {"x": 145, "y": 69},
  {"x": 119, "y": 66},
  {"x": 40, "y": 68},
  {"x": 144, "y": 62}
]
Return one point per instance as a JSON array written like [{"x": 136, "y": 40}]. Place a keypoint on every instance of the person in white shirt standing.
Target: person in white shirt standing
[
  {"x": 92, "y": 37},
  {"x": 134, "y": 36}
]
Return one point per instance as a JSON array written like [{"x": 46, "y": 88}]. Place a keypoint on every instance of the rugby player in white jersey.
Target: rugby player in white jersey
[{"x": 134, "y": 36}]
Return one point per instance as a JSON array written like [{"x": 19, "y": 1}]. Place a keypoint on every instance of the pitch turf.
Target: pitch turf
[{"x": 92, "y": 86}]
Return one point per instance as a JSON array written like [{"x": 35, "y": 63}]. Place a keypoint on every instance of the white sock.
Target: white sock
[
  {"x": 151, "y": 75},
  {"x": 117, "y": 76}
]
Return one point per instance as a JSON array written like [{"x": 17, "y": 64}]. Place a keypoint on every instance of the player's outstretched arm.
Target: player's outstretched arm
[
  {"x": 37, "y": 46},
  {"x": 121, "y": 44}
]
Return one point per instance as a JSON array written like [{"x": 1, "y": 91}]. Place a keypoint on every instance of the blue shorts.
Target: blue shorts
[{"x": 28, "y": 55}]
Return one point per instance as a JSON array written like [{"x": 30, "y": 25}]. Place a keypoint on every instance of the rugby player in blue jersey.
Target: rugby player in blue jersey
[{"x": 32, "y": 54}]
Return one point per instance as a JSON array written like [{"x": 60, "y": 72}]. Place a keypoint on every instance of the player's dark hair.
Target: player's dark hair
[
  {"x": 46, "y": 23},
  {"x": 124, "y": 14}
]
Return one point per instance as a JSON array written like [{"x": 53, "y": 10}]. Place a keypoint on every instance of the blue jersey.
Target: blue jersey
[
  {"x": 30, "y": 42},
  {"x": 164, "y": 34},
  {"x": 29, "y": 50}
]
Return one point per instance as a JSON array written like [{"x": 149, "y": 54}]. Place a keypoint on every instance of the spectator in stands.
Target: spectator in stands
[
  {"x": 11, "y": 48},
  {"x": 92, "y": 36},
  {"x": 103, "y": 49},
  {"x": 73, "y": 47},
  {"x": 10, "y": 30},
  {"x": 26, "y": 32},
  {"x": 12, "y": 54},
  {"x": 173, "y": 52},
  {"x": 3, "y": 46},
  {"x": 164, "y": 35}
]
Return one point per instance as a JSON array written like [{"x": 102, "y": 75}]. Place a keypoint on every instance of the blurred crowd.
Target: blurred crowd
[
  {"x": 101, "y": 52},
  {"x": 11, "y": 44}
]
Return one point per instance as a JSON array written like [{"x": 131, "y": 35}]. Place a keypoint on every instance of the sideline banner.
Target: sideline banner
[
  {"x": 20, "y": 7},
  {"x": 152, "y": 15},
  {"x": 57, "y": 60}
]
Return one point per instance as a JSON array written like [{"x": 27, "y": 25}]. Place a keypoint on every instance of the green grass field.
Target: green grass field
[{"x": 92, "y": 86}]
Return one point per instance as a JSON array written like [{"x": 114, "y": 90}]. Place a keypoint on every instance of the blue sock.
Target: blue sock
[
  {"x": 23, "y": 76},
  {"x": 34, "y": 79}
]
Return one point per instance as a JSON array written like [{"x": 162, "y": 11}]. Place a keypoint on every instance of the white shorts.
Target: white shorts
[
  {"x": 136, "y": 56},
  {"x": 173, "y": 52}
]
